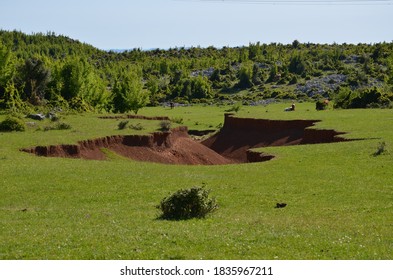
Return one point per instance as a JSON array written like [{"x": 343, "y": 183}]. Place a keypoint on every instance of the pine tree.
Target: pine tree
[{"x": 34, "y": 78}]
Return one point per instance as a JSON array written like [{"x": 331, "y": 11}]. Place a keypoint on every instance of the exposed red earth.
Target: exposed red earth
[
  {"x": 231, "y": 144},
  {"x": 135, "y": 117},
  {"x": 239, "y": 135},
  {"x": 172, "y": 147}
]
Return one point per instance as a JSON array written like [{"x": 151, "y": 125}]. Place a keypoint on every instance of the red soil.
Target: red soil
[
  {"x": 135, "y": 117},
  {"x": 239, "y": 135},
  {"x": 173, "y": 147},
  {"x": 231, "y": 144}
]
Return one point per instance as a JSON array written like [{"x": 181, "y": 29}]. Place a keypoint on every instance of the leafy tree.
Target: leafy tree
[
  {"x": 380, "y": 52},
  {"x": 368, "y": 66},
  {"x": 390, "y": 69},
  {"x": 164, "y": 67},
  {"x": 34, "y": 78},
  {"x": 7, "y": 68},
  {"x": 156, "y": 87},
  {"x": 54, "y": 90},
  {"x": 193, "y": 88},
  {"x": 201, "y": 88},
  {"x": 369, "y": 97},
  {"x": 297, "y": 65},
  {"x": 342, "y": 97},
  {"x": 76, "y": 77},
  {"x": 81, "y": 83},
  {"x": 362, "y": 98},
  {"x": 245, "y": 76},
  {"x": 357, "y": 78},
  {"x": 295, "y": 44},
  {"x": 243, "y": 55},
  {"x": 254, "y": 51},
  {"x": 216, "y": 76},
  {"x": 128, "y": 93},
  {"x": 256, "y": 75},
  {"x": 11, "y": 98},
  {"x": 274, "y": 74}
]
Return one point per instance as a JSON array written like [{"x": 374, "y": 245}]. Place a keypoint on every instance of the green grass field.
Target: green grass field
[{"x": 339, "y": 196}]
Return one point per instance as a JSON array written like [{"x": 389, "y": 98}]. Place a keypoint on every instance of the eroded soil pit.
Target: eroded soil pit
[
  {"x": 231, "y": 144},
  {"x": 239, "y": 135}
]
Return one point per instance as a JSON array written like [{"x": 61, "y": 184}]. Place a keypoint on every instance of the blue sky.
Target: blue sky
[{"x": 146, "y": 24}]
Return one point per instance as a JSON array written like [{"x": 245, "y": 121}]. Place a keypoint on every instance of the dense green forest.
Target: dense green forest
[{"x": 51, "y": 71}]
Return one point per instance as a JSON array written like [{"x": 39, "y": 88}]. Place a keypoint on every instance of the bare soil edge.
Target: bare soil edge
[
  {"x": 232, "y": 144},
  {"x": 239, "y": 135},
  {"x": 139, "y": 117},
  {"x": 172, "y": 147}
]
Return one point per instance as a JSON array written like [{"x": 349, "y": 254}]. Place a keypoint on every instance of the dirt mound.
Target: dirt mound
[
  {"x": 173, "y": 147},
  {"x": 231, "y": 144},
  {"x": 239, "y": 135}
]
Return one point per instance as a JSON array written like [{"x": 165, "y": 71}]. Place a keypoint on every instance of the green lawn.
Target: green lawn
[{"x": 339, "y": 197}]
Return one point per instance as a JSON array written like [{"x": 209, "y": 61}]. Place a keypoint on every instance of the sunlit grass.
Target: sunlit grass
[{"x": 339, "y": 196}]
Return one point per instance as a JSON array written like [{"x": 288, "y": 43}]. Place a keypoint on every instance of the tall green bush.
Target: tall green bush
[
  {"x": 81, "y": 82},
  {"x": 12, "y": 124},
  {"x": 34, "y": 78},
  {"x": 362, "y": 98},
  {"x": 7, "y": 67},
  {"x": 128, "y": 93}
]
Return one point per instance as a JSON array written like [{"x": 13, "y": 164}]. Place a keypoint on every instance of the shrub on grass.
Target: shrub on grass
[
  {"x": 137, "y": 126},
  {"x": 165, "y": 125},
  {"x": 178, "y": 120},
  {"x": 321, "y": 105},
  {"x": 58, "y": 126},
  {"x": 12, "y": 124},
  {"x": 187, "y": 204},
  {"x": 381, "y": 149},
  {"x": 54, "y": 117},
  {"x": 62, "y": 126},
  {"x": 235, "y": 108},
  {"x": 122, "y": 125}
]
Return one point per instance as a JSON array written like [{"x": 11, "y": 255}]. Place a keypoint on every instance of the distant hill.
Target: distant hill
[
  {"x": 249, "y": 74},
  {"x": 50, "y": 44}
]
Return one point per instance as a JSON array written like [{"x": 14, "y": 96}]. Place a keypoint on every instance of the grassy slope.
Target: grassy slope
[{"x": 340, "y": 198}]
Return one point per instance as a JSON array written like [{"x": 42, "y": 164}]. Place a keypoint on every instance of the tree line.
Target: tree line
[{"x": 56, "y": 71}]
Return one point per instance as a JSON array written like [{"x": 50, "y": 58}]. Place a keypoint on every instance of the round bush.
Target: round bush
[
  {"x": 165, "y": 125},
  {"x": 321, "y": 105},
  {"x": 187, "y": 204},
  {"x": 12, "y": 124}
]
